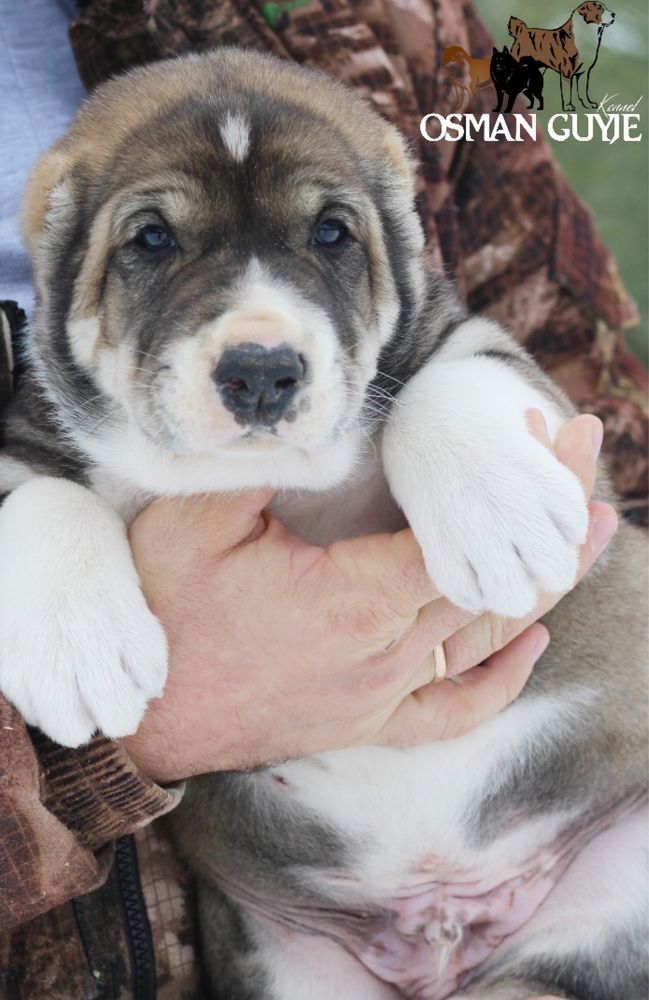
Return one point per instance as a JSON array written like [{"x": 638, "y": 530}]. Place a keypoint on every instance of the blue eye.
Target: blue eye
[
  {"x": 155, "y": 238},
  {"x": 330, "y": 232}
]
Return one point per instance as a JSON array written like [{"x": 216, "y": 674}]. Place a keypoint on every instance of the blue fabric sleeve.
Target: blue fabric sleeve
[{"x": 39, "y": 92}]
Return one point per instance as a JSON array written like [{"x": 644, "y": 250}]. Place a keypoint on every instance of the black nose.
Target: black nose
[{"x": 257, "y": 383}]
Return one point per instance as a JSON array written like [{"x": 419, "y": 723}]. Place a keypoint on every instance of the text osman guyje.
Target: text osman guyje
[{"x": 605, "y": 127}]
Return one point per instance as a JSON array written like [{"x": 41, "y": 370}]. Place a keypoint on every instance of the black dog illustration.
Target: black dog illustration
[{"x": 513, "y": 78}]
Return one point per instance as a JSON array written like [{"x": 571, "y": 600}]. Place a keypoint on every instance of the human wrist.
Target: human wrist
[{"x": 151, "y": 762}]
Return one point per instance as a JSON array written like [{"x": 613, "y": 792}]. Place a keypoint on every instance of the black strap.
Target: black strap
[{"x": 136, "y": 919}]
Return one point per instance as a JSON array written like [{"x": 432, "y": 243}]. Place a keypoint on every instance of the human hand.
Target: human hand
[{"x": 281, "y": 649}]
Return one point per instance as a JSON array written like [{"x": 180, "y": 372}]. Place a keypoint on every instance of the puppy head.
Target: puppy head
[
  {"x": 501, "y": 61},
  {"x": 222, "y": 246},
  {"x": 597, "y": 13},
  {"x": 454, "y": 54},
  {"x": 515, "y": 26}
]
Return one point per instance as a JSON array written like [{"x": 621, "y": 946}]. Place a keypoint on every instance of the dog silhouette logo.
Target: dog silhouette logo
[
  {"x": 571, "y": 51},
  {"x": 476, "y": 71},
  {"x": 513, "y": 77}
]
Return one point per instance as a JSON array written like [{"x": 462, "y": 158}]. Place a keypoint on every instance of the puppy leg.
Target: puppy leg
[
  {"x": 500, "y": 94},
  {"x": 589, "y": 939},
  {"x": 316, "y": 967},
  {"x": 250, "y": 958},
  {"x": 79, "y": 648},
  {"x": 497, "y": 516}
]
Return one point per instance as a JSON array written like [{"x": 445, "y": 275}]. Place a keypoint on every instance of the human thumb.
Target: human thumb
[{"x": 209, "y": 524}]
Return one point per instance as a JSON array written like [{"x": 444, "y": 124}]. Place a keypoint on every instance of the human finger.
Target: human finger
[
  {"x": 215, "y": 521},
  {"x": 539, "y": 428},
  {"x": 578, "y": 445},
  {"x": 388, "y": 569},
  {"x": 426, "y": 673},
  {"x": 470, "y": 638},
  {"x": 454, "y": 707}
]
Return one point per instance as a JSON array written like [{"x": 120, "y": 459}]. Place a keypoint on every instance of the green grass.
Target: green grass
[{"x": 613, "y": 180}]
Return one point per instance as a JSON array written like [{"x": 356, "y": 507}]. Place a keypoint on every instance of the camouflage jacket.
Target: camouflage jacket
[{"x": 93, "y": 903}]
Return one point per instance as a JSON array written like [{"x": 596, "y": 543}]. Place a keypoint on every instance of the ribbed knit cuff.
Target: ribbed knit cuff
[{"x": 96, "y": 790}]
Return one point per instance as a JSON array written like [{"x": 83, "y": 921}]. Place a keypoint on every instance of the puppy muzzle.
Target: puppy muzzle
[{"x": 258, "y": 384}]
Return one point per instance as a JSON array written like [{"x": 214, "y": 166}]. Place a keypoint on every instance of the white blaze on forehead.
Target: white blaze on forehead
[{"x": 235, "y": 132}]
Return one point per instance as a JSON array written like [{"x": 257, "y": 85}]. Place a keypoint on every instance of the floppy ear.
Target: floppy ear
[
  {"x": 590, "y": 12},
  {"x": 395, "y": 173},
  {"x": 395, "y": 148},
  {"x": 48, "y": 173},
  {"x": 50, "y": 214}
]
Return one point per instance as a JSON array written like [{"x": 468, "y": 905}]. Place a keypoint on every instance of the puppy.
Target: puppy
[
  {"x": 571, "y": 49},
  {"x": 232, "y": 292}
]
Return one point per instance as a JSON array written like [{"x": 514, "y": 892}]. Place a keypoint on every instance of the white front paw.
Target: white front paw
[
  {"x": 498, "y": 518},
  {"x": 494, "y": 539},
  {"x": 79, "y": 648}
]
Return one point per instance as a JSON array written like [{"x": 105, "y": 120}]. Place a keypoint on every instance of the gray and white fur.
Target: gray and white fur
[{"x": 232, "y": 291}]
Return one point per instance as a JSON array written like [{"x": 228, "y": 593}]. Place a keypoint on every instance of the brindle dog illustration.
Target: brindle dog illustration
[{"x": 571, "y": 50}]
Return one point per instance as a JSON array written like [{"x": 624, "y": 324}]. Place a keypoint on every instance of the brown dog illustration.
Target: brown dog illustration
[
  {"x": 571, "y": 50},
  {"x": 478, "y": 71}
]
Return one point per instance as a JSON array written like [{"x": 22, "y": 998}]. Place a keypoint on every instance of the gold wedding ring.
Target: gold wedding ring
[{"x": 439, "y": 656}]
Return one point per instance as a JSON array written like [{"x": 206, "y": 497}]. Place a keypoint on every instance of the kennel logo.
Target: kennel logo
[{"x": 571, "y": 52}]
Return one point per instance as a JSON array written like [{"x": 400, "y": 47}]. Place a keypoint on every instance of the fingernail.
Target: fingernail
[
  {"x": 597, "y": 438},
  {"x": 601, "y": 533},
  {"x": 541, "y": 643}
]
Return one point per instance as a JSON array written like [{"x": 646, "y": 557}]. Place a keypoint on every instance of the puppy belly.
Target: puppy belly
[
  {"x": 603, "y": 891},
  {"x": 434, "y": 939},
  {"x": 436, "y": 933},
  {"x": 443, "y": 923}
]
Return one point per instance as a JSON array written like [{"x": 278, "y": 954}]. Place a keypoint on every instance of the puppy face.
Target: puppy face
[{"x": 219, "y": 263}]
